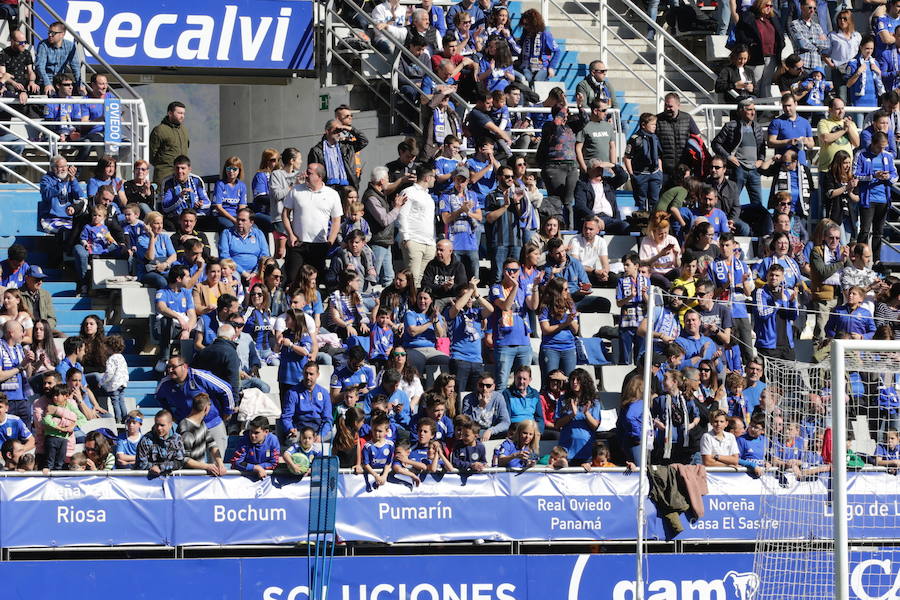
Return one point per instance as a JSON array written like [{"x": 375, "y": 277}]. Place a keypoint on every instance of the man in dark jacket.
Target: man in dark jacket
[
  {"x": 587, "y": 205},
  {"x": 444, "y": 275},
  {"x": 744, "y": 156},
  {"x": 337, "y": 152},
  {"x": 168, "y": 141},
  {"x": 674, "y": 128},
  {"x": 381, "y": 215},
  {"x": 221, "y": 358},
  {"x": 729, "y": 196}
]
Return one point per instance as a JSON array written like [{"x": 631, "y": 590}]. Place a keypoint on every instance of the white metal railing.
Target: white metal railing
[
  {"x": 669, "y": 55},
  {"x": 42, "y": 138}
]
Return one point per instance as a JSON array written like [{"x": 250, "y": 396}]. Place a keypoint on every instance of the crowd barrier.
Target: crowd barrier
[{"x": 185, "y": 510}]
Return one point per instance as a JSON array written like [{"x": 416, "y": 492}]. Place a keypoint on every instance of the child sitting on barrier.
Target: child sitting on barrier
[
  {"x": 557, "y": 459},
  {"x": 734, "y": 389},
  {"x": 888, "y": 454},
  {"x": 404, "y": 466},
  {"x": 600, "y": 458},
  {"x": 300, "y": 456},
  {"x": 378, "y": 454},
  {"x": 520, "y": 450},
  {"x": 259, "y": 451},
  {"x": 469, "y": 454}
]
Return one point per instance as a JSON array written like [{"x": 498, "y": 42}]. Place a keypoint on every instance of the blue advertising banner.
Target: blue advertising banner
[
  {"x": 67, "y": 511},
  {"x": 237, "y": 34},
  {"x": 483, "y": 577},
  {"x": 192, "y": 510},
  {"x": 502, "y": 506},
  {"x": 237, "y": 510}
]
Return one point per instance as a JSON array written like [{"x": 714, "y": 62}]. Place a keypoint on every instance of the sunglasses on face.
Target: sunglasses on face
[{"x": 398, "y": 353}]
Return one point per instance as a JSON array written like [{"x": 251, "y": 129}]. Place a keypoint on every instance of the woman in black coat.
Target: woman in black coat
[
  {"x": 736, "y": 81},
  {"x": 763, "y": 35}
]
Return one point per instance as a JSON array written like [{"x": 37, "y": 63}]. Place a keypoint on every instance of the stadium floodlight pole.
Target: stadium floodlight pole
[{"x": 645, "y": 430}]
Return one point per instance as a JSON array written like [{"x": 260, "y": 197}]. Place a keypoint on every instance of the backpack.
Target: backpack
[{"x": 697, "y": 156}]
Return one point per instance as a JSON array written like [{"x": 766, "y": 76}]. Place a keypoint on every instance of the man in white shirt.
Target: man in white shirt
[
  {"x": 416, "y": 223},
  {"x": 590, "y": 249},
  {"x": 391, "y": 17},
  {"x": 312, "y": 218}
]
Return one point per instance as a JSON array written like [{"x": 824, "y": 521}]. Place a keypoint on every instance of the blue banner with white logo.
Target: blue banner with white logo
[
  {"x": 726, "y": 576},
  {"x": 194, "y": 510},
  {"x": 237, "y": 34}
]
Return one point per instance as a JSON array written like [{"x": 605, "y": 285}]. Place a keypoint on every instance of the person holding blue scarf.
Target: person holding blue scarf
[
  {"x": 874, "y": 169},
  {"x": 864, "y": 84},
  {"x": 540, "y": 53}
]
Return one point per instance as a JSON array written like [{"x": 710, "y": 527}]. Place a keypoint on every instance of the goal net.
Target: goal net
[{"x": 808, "y": 554}]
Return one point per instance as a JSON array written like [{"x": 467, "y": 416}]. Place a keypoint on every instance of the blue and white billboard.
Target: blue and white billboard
[{"x": 236, "y": 34}]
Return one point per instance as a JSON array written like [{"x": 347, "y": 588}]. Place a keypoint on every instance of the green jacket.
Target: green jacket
[
  {"x": 45, "y": 305},
  {"x": 168, "y": 141}
]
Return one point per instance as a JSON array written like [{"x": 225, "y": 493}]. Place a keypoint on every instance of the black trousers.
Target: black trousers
[
  {"x": 871, "y": 227},
  {"x": 305, "y": 253}
]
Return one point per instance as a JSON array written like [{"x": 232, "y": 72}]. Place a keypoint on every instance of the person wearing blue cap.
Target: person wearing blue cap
[
  {"x": 814, "y": 91},
  {"x": 36, "y": 299}
]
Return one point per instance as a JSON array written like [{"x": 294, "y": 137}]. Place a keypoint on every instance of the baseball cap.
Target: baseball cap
[
  {"x": 36, "y": 272},
  {"x": 461, "y": 171}
]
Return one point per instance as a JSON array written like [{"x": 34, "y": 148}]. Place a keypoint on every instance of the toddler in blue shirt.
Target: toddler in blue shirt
[
  {"x": 469, "y": 454},
  {"x": 378, "y": 455},
  {"x": 300, "y": 456}
]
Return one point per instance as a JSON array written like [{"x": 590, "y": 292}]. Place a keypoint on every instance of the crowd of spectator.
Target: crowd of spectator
[{"x": 431, "y": 350}]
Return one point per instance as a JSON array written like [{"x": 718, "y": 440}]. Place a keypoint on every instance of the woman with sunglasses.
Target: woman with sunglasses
[
  {"x": 259, "y": 323},
  {"x": 272, "y": 280},
  {"x": 712, "y": 393},
  {"x": 230, "y": 193},
  {"x": 844, "y": 42},
  {"x": 410, "y": 379},
  {"x": 140, "y": 190},
  {"x": 763, "y": 35}
]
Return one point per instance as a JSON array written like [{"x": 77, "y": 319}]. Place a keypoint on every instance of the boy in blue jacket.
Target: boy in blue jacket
[{"x": 259, "y": 451}]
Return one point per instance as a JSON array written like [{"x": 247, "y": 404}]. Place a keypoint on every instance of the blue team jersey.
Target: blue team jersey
[
  {"x": 737, "y": 406},
  {"x": 510, "y": 327},
  {"x": 378, "y": 457},
  {"x": 563, "y": 339},
  {"x": 426, "y": 339},
  {"x": 419, "y": 453},
  {"x": 13, "y": 428},
  {"x": 444, "y": 166},
  {"x": 381, "y": 340},
  {"x": 462, "y": 231},
  {"x": 344, "y": 377},
  {"x": 230, "y": 196},
  {"x": 509, "y": 447},
  {"x": 577, "y": 437},
  {"x": 290, "y": 368},
  {"x": 883, "y": 451},
  {"x": 632, "y": 313},
  {"x": 729, "y": 274},
  {"x": 487, "y": 183},
  {"x": 786, "y": 129},
  {"x": 310, "y": 454},
  {"x": 752, "y": 449},
  {"x": 466, "y": 334},
  {"x": 884, "y": 23},
  {"x": 179, "y": 301}
]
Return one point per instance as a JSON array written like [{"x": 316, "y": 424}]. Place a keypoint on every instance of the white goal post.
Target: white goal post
[{"x": 846, "y": 355}]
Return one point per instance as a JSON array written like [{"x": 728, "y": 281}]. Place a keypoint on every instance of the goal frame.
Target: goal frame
[{"x": 841, "y": 527}]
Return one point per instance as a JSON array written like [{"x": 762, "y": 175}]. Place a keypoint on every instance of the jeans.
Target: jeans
[
  {"x": 469, "y": 259},
  {"x": 560, "y": 179},
  {"x": 645, "y": 188},
  {"x": 467, "y": 374},
  {"x": 750, "y": 178},
  {"x": 723, "y": 18},
  {"x": 614, "y": 226},
  {"x": 741, "y": 228},
  {"x": 764, "y": 74},
  {"x": 263, "y": 221},
  {"x": 384, "y": 264},
  {"x": 117, "y": 403},
  {"x": 872, "y": 218},
  {"x": 652, "y": 12},
  {"x": 255, "y": 382},
  {"x": 501, "y": 253},
  {"x": 507, "y": 358},
  {"x": 21, "y": 409},
  {"x": 154, "y": 279},
  {"x": 631, "y": 345},
  {"x": 532, "y": 76},
  {"x": 550, "y": 360},
  {"x": 56, "y": 448}
]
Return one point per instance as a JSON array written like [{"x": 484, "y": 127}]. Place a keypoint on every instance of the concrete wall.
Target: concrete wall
[{"x": 253, "y": 118}]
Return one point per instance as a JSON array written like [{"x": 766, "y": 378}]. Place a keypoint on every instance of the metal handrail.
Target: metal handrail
[
  {"x": 93, "y": 52},
  {"x": 458, "y": 101}
]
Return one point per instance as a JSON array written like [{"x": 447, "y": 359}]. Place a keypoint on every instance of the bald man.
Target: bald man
[{"x": 444, "y": 274}]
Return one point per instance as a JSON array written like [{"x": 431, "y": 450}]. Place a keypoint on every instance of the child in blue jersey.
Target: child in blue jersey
[
  {"x": 469, "y": 454},
  {"x": 499, "y": 112},
  {"x": 790, "y": 448},
  {"x": 126, "y": 445},
  {"x": 259, "y": 451},
  {"x": 346, "y": 399},
  {"x": 520, "y": 450},
  {"x": 734, "y": 390},
  {"x": 422, "y": 453},
  {"x": 377, "y": 455},
  {"x": 296, "y": 347},
  {"x": 815, "y": 91},
  {"x": 436, "y": 410},
  {"x": 403, "y": 466},
  {"x": 631, "y": 297},
  {"x": 888, "y": 454},
  {"x": 753, "y": 447},
  {"x": 230, "y": 193},
  {"x": 354, "y": 222},
  {"x": 303, "y": 448},
  {"x": 133, "y": 227},
  {"x": 381, "y": 339},
  {"x": 97, "y": 241},
  {"x": 380, "y": 407},
  {"x": 12, "y": 427}
]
